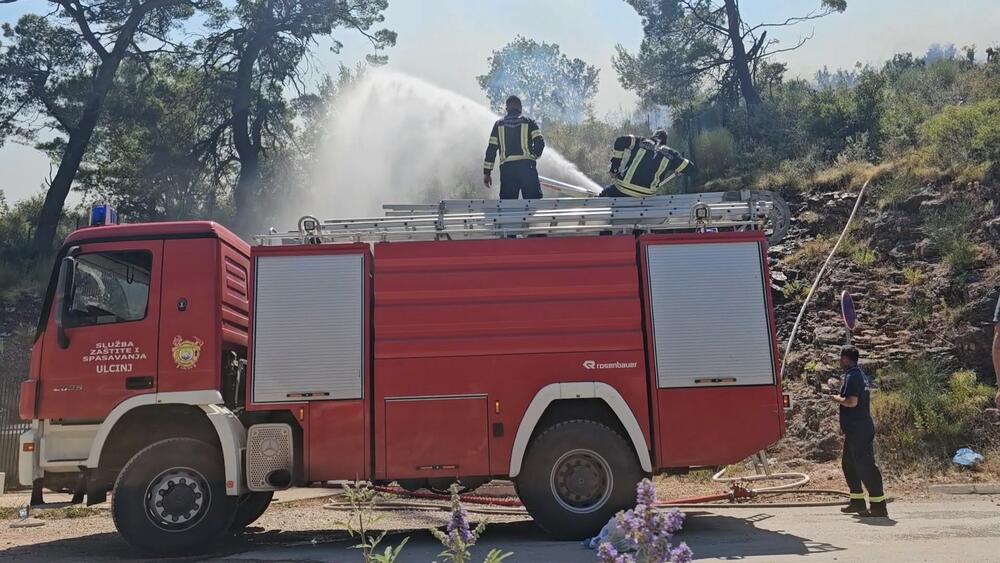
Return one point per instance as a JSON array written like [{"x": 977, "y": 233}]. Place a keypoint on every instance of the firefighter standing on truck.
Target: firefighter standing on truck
[
  {"x": 858, "y": 460},
  {"x": 650, "y": 164},
  {"x": 520, "y": 143}
]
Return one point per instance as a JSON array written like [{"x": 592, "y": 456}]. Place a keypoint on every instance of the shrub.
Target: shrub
[
  {"x": 812, "y": 254},
  {"x": 789, "y": 176},
  {"x": 844, "y": 174},
  {"x": 948, "y": 231},
  {"x": 964, "y": 135},
  {"x": 858, "y": 251},
  {"x": 917, "y": 313},
  {"x": 914, "y": 276},
  {"x": 360, "y": 521},
  {"x": 795, "y": 291},
  {"x": 925, "y": 411},
  {"x": 713, "y": 150}
]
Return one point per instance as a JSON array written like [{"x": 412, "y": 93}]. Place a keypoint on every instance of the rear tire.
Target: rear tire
[
  {"x": 249, "y": 508},
  {"x": 170, "y": 499},
  {"x": 576, "y": 476}
]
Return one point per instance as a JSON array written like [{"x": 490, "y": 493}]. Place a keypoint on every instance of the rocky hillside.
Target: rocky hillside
[{"x": 924, "y": 274}]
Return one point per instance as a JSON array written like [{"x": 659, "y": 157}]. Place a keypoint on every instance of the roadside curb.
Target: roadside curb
[{"x": 967, "y": 489}]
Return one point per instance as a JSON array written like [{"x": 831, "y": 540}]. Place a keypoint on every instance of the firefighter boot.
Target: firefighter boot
[
  {"x": 875, "y": 510},
  {"x": 856, "y": 506}
]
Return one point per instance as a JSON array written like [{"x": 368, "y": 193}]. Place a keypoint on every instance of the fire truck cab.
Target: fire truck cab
[{"x": 192, "y": 375}]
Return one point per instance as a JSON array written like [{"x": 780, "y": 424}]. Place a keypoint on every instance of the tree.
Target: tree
[
  {"x": 47, "y": 70},
  {"x": 552, "y": 86},
  {"x": 152, "y": 155},
  {"x": 702, "y": 47},
  {"x": 257, "y": 52}
]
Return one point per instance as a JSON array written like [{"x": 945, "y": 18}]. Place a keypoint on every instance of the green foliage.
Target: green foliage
[
  {"x": 858, "y": 251},
  {"x": 918, "y": 312},
  {"x": 811, "y": 255},
  {"x": 360, "y": 521},
  {"x": 20, "y": 269},
  {"x": 796, "y": 291},
  {"x": 964, "y": 135},
  {"x": 714, "y": 150},
  {"x": 914, "y": 276},
  {"x": 925, "y": 411},
  {"x": 458, "y": 539},
  {"x": 789, "y": 176},
  {"x": 948, "y": 231},
  {"x": 552, "y": 87},
  {"x": 588, "y": 144},
  {"x": 159, "y": 152}
]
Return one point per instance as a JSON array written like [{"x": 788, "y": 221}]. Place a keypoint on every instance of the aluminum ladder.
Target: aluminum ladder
[{"x": 485, "y": 218}]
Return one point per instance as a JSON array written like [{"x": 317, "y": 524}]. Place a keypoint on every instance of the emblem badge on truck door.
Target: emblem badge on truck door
[{"x": 186, "y": 352}]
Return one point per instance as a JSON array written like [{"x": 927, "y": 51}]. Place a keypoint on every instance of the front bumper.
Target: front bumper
[{"x": 27, "y": 457}]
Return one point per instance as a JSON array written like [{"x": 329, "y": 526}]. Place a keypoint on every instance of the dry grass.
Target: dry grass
[{"x": 811, "y": 255}]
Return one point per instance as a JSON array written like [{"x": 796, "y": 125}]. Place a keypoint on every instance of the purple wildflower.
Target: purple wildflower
[
  {"x": 645, "y": 493},
  {"x": 649, "y": 530},
  {"x": 681, "y": 554},
  {"x": 459, "y": 524},
  {"x": 675, "y": 520},
  {"x": 607, "y": 553}
]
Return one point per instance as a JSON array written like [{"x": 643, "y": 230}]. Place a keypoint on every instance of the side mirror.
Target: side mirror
[{"x": 67, "y": 274}]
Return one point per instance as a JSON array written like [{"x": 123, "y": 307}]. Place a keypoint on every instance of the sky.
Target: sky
[{"x": 447, "y": 42}]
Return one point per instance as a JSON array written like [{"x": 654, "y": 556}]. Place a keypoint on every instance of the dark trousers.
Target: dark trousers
[
  {"x": 519, "y": 178},
  {"x": 858, "y": 463}
]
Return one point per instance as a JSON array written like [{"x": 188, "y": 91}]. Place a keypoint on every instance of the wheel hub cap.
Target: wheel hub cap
[
  {"x": 177, "y": 498},
  {"x": 581, "y": 481}
]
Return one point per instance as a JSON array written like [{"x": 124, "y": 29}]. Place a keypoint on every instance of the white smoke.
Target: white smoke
[{"x": 394, "y": 138}]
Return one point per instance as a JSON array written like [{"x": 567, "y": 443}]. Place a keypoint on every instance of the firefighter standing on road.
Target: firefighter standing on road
[
  {"x": 650, "y": 164},
  {"x": 856, "y": 423},
  {"x": 520, "y": 143}
]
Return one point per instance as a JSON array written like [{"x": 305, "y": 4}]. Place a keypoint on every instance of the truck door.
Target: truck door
[{"x": 106, "y": 349}]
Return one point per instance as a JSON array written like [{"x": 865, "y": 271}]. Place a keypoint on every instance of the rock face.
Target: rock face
[{"x": 910, "y": 300}]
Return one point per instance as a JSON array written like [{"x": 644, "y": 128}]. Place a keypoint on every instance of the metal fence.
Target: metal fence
[{"x": 11, "y": 428}]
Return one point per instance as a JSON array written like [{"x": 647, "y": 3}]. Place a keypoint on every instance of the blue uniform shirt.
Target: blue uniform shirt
[{"x": 856, "y": 384}]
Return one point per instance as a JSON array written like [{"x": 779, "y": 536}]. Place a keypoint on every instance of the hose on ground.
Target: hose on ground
[
  {"x": 471, "y": 499},
  {"x": 800, "y": 480}
]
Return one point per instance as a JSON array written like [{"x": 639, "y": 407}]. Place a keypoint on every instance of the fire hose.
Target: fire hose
[
  {"x": 819, "y": 277},
  {"x": 740, "y": 492},
  {"x": 470, "y": 499}
]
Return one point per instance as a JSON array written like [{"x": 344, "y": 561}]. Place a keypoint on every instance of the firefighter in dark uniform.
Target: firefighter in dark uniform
[
  {"x": 858, "y": 461},
  {"x": 650, "y": 163},
  {"x": 519, "y": 142}
]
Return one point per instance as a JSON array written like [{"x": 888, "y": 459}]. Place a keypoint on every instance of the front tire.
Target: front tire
[
  {"x": 249, "y": 508},
  {"x": 576, "y": 476},
  {"x": 170, "y": 499}
]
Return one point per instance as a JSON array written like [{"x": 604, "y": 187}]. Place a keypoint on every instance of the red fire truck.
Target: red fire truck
[{"x": 192, "y": 375}]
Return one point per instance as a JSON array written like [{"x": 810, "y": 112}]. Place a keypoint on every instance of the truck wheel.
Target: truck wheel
[
  {"x": 170, "y": 499},
  {"x": 249, "y": 508},
  {"x": 576, "y": 476}
]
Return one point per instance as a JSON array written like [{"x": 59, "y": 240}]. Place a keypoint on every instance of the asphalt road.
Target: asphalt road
[
  {"x": 956, "y": 529},
  {"x": 950, "y": 528}
]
